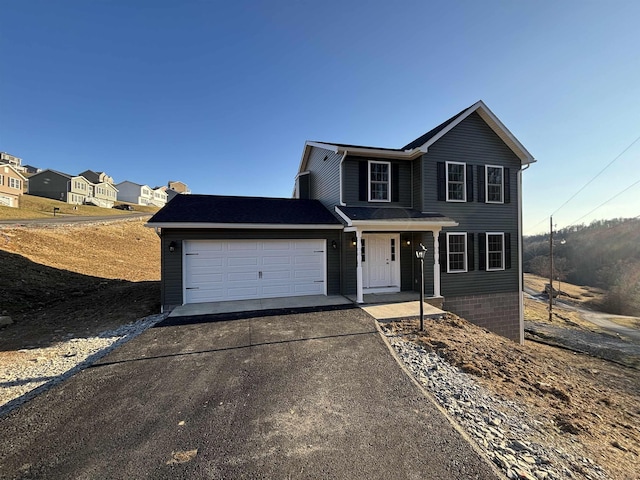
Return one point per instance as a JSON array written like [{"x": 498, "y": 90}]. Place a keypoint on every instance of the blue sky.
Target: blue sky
[{"x": 223, "y": 95}]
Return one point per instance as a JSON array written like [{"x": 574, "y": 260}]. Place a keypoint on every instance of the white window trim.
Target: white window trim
[
  {"x": 388, "y": 164},
  {"x": 464, "y": 181},
  {"x": 15, "y": 183},
  {"x": 458, "y": 234},
  {"x": 486, "y": 184},
  {"x": 486, "y": 248}
]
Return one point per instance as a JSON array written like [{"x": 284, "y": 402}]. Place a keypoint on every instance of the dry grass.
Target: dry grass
[
  {"x": 582, "y": 401},
  {"x": 118, "y": 250},
  {"x": 574, "y": 293},
  {"x": 38, "y": 207}
]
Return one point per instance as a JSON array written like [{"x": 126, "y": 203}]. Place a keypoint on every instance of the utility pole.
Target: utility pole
[{"x": 550, "y": 267}]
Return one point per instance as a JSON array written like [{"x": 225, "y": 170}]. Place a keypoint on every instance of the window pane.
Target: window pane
[
  {"x": 494, "y": 184},
  {"x": 457, "y": 253},
  {"x": 455, "y": 181},
  {"x": 494, "y": 252},
  {"x": 379, "y": 181}
]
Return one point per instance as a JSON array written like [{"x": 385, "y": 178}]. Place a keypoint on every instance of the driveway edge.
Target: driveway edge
[{"x": 435, "y": 402}]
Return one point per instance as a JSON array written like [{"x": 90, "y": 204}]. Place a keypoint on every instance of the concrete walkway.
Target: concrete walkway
[
  {"x": 306, "y": 395},
  {"x": 259, "y": 304}
]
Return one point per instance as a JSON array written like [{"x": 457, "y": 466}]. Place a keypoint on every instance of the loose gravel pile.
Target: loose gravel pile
[
  {"x": 38, "y": 369},
  {"x": 510, "y": 437}
]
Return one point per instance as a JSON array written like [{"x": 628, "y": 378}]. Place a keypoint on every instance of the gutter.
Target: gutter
[
  {"x": 344, "y": 155},
  {"x": 520, "y": 261}
]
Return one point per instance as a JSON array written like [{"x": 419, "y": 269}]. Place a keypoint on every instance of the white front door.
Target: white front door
[{"x": 381, "y": 262}]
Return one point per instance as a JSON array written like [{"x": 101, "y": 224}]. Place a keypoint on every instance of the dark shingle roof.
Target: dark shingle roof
[
  {"x": 391, "y": 213},
  {"x": 418, "y": 142},
  {"x": 243, "y": 210}
]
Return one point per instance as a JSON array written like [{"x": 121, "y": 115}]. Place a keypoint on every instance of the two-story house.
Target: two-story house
[
  {"x": 73, "y": 189},
  {"x": 141, "y": 194},
  {"x": 12, "y": 184},
  {"x": 358, "y": 216}
]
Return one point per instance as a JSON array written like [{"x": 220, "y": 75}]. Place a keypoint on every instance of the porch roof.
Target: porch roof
[{"x": 393, "y": 217}]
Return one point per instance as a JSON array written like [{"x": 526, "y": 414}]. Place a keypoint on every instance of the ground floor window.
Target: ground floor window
[
  {"x": 495, "y": 251},
  {"x": 456, "y": 252}
]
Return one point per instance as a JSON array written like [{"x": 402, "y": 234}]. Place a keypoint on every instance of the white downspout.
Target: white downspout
[
  {"x": 520, "y": 262},
  {"x": 342, "y": 160},
  {"x": 436, "y": 264},
  {"x": 359, "y": 290}
]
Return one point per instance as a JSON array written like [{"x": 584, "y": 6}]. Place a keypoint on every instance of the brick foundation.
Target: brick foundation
[{"x": 497, "y": 312}]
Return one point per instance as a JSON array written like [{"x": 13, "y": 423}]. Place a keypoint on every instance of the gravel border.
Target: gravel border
[
  {"x": 42, "y": 368},
  {"x": 504, "y": 431}
]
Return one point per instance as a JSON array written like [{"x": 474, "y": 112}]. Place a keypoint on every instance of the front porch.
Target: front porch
[{"x": 397, "y": 297}]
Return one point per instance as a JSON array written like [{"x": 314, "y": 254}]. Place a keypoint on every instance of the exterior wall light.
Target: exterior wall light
[
  {"x": 407, "y": 241},
  {"x": 334, "y": 244},
  {"x": 172, "y": 246},
  {"x": 354, "y": 241}
]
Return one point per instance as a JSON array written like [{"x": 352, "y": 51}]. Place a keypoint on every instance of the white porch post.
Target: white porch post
[
  {"x": 359, "y": 295},
  {"x": 436, "y": 264}
]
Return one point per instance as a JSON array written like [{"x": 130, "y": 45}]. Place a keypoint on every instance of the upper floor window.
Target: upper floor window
[
  {"x": 15, "y": 183},
  {"x": 494, "y": 178},
  {"x": 1, "y": 179},
  {"x": 456, "y": 182},
  {"x": 456, "y": 252},
  {"x": 495, "y": 251},
  {"x": 379, "y": 181}
]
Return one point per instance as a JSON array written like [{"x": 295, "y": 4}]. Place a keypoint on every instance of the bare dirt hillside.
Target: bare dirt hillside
[
  {"x": 79, "y": 280},
  {"x": 86, "y": 279}
]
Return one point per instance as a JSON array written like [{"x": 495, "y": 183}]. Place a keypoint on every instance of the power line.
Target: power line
[
  {"x": 596, "y": 176},
  {"x": 604, "y": 203},
  {"x": 585, "y": 186}
]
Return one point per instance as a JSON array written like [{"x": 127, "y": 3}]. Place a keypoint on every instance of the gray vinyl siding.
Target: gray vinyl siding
[
  {"x": 426, "y": 238},
  {"x": 324, "y": 181},
  {"x": 349, "y": 265},
  {"x": 351, "y": 182},
  {"x": 49, "y": 185},
  {"x": 474, "y": 143},
  {"x": 416, "y": 184},
  {"x": 171, "y": 262}
]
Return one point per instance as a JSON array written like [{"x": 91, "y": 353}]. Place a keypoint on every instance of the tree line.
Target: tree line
[{"x": 604, "y": 254}]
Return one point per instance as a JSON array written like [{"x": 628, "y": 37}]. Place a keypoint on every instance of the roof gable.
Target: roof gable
[
  {"x": 425, "y": 141},
  {"x": 421, "y": 144},
  {"x": 16, "y": 172}
]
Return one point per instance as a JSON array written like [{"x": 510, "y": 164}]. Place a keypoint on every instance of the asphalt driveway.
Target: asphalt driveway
[{"x": 302, "y": 395}]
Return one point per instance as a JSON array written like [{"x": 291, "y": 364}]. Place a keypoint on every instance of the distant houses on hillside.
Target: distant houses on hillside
[
  {"x": 74, "y": 189},
  {"x": 86, "y": 188},
  {"x": 11, "y": 185}
]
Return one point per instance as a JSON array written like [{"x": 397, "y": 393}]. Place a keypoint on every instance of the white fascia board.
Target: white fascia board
[
  {"x": 343, "y": 216},
  {"x": 378, "y": 153},
  {"x": 401, "y": 225},
  {"x": 494, "y": 123},
  {"x": 252, "y": 226},
  {"x": 504, "y": 133}
]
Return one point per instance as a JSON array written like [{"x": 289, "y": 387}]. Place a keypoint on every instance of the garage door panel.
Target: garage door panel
[
  {"x": 218, "y": 270},
  {"x": 276, "y": 260},
  {"x": 240, "y": 246},
  {"x": 242, "y": 276},
  {"x": 241, "y": 261}
]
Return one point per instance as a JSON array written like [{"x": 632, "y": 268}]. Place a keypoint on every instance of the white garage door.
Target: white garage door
[
  {"x": 6, "y": 201},
  {"x": 219, "y": 270}
]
